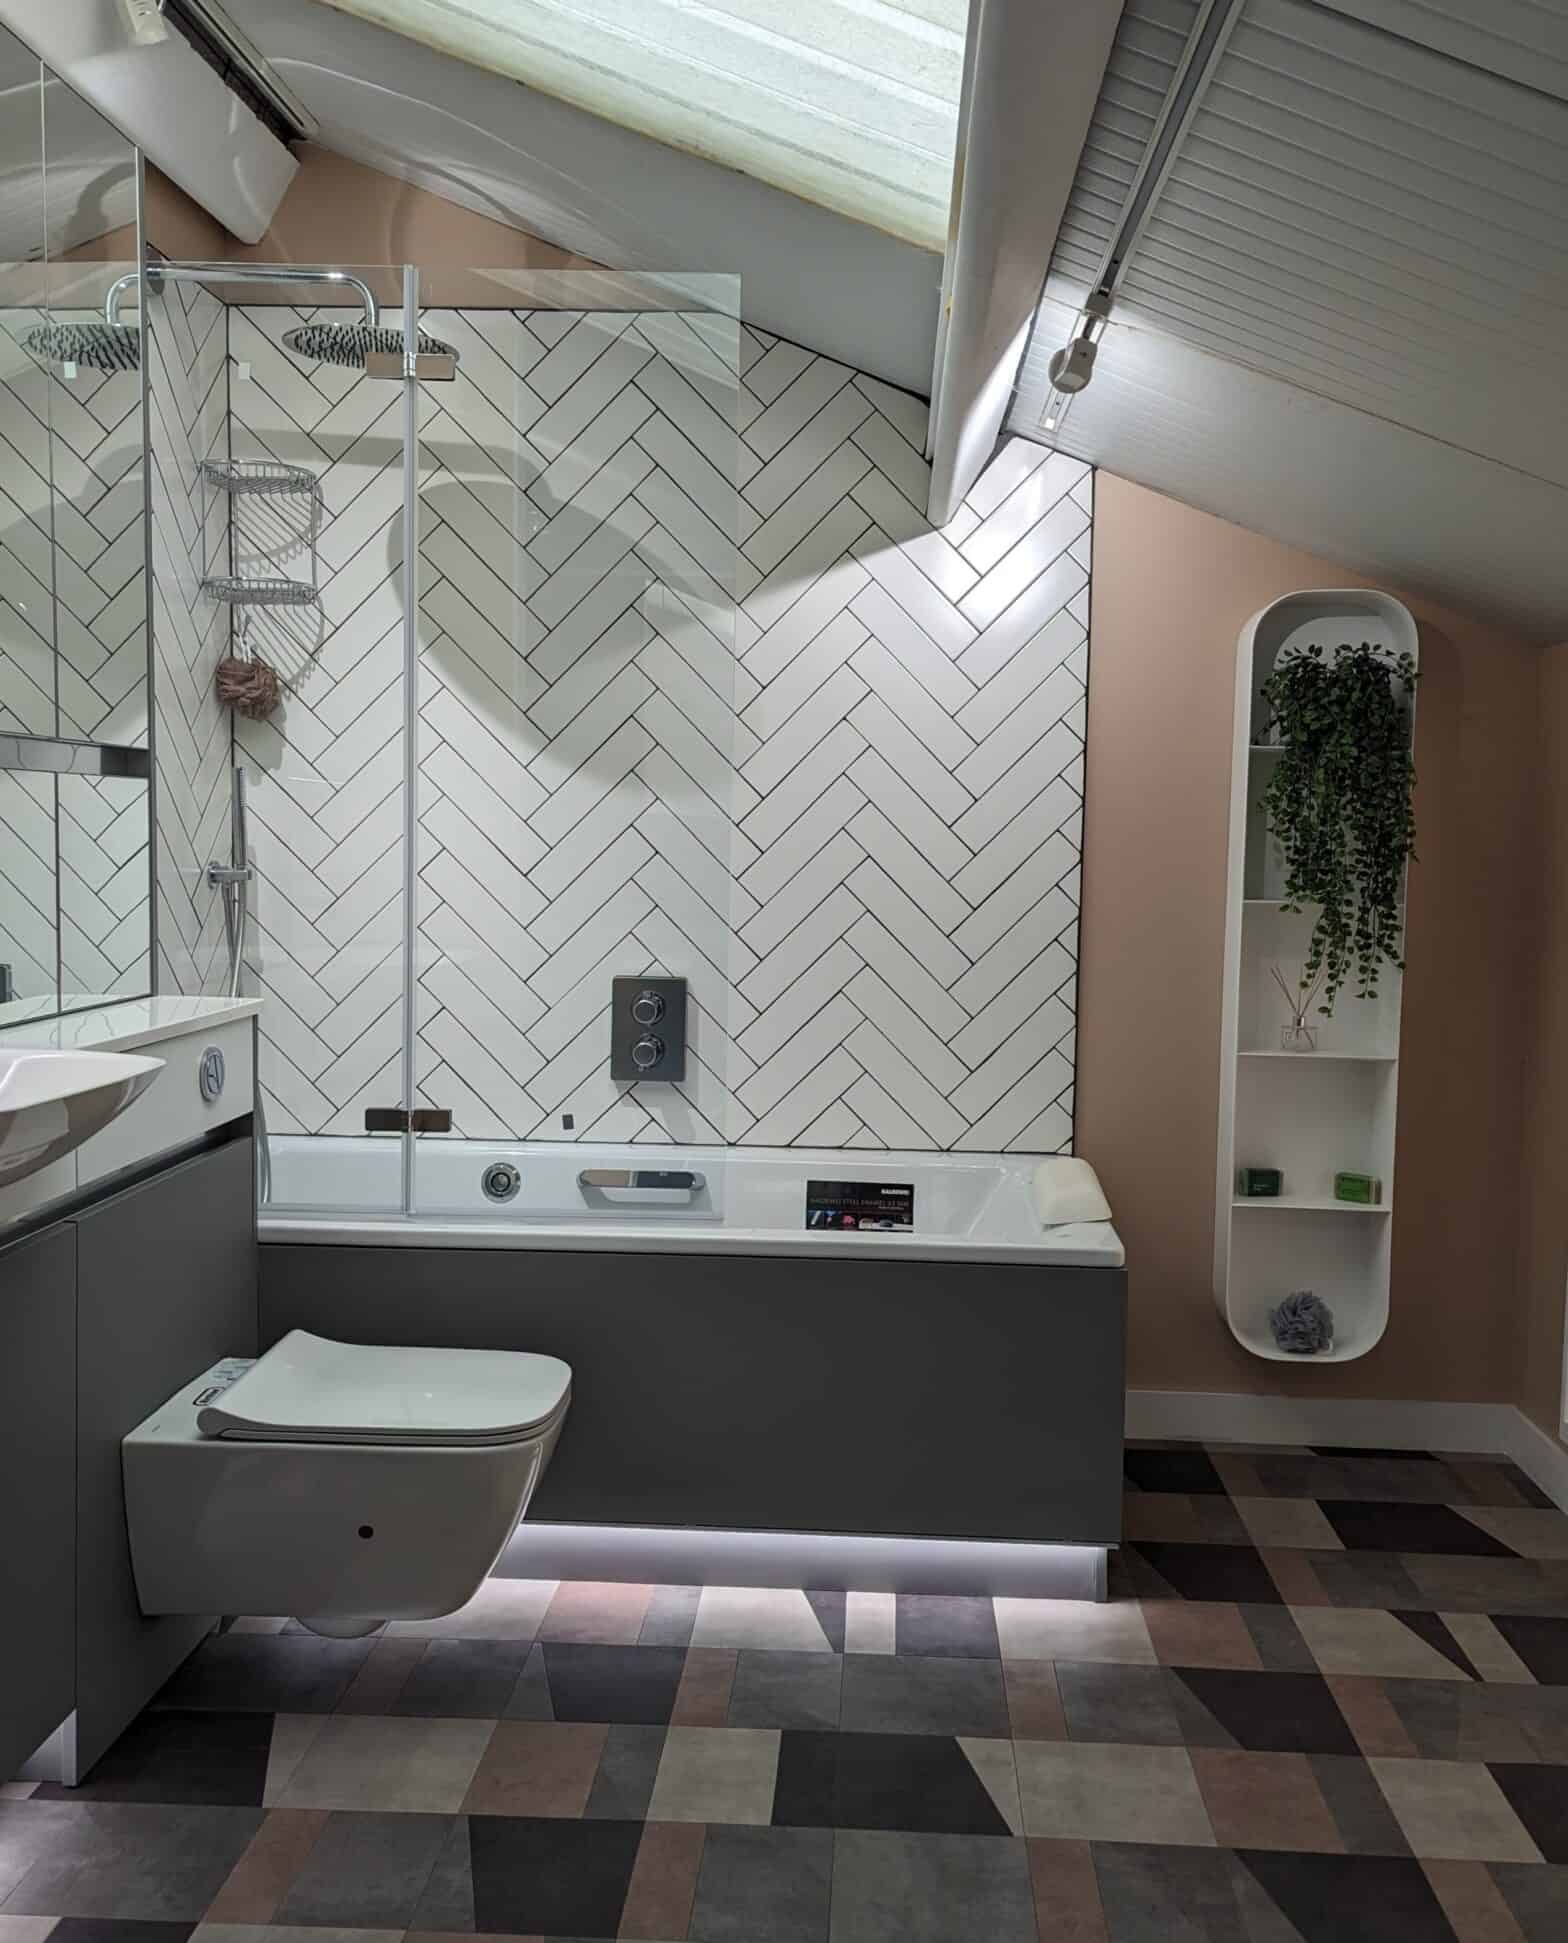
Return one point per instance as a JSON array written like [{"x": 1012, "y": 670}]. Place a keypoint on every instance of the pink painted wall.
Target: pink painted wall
[{"x": 1172, "y": 589}]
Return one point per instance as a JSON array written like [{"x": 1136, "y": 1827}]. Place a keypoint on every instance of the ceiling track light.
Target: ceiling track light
[{"x": 1071, "y": 368}]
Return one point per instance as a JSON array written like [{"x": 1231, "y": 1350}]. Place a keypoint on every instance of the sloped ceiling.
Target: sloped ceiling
[{"x": 1344, "y": 321}]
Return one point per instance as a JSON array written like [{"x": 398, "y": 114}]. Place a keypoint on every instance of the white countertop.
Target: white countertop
[{"x": 124, "y": 1024}]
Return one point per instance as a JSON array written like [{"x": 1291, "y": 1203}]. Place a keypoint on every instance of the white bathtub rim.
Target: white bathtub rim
[{"x": 1078, "y": 1245}]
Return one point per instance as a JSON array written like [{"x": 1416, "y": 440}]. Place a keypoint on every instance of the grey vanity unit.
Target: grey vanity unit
[
  {"x": 109, "y": 1300},
  {"x": 932, "y": 1399}
]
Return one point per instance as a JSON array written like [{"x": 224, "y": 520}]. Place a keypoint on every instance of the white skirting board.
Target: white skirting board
[{"x": 1231, "y": 1417}]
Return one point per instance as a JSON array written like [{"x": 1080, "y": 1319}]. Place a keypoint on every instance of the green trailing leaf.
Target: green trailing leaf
[{"x": 1338, "y": 804}]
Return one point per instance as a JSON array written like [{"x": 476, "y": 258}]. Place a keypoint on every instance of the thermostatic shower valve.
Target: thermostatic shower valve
[{"x": 648, "y": 1028}]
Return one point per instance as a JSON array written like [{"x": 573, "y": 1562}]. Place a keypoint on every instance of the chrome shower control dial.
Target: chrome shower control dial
[
  {"x": 647, "y": 1051},
  {"x": 648, "y": 1008}
]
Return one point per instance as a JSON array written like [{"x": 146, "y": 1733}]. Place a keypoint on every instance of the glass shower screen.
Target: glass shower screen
[{"x": 580, "y": 741}]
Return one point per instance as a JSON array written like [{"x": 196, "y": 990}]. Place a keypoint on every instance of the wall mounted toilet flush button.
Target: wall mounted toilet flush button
[{"x": 648, "y": 1029}]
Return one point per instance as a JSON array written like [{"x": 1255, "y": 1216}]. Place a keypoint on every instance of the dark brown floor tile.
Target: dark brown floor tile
[
  {"x": 551, "y": 1878},
  {"x": 190, "y": 1758},
  {"x": 1435, "y": 1529},
  {"x": 1265, "y": 1801},
  {"x": 266, "y": 1673},
  {"x": 663, "y": 1880},
  {"x": 1542, "y": 1643},
  {"x": 1194, "y": 1633},
  {"x": 1185, "y": 1468},
  {"x": 537, "y": 1767},
  {"x": 1067, "y": 1905},
  {"x": 1034, "y": 1704},
  {"x": 1538, "y": 1795},
  {"x": 1271, "y": 1713},
  {"x": 1194, "y": 1519},
  {"x": 1451, "y": 1722},
  {"x": 1372, "y": 1719},
  {"x": 1474, "y": 1905},
  {"x": 1385, "y": 1479},
  {"x": 460, "y": 1679},
  {"x": 1365, "y": 1579},
  {"x": 262, "y": 1876},
  {"x": 1210, "y": 1572},
  {"x": 703, "y": 1697},
  {"x": 1351, "y": 1898},
  {"x": 1491, "y": 1585}
]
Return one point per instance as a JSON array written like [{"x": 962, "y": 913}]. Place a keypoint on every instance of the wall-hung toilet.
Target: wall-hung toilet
[{"x": 340, "y": 1482}]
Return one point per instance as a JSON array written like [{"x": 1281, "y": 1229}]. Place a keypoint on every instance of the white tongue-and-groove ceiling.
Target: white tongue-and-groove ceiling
[{"x": 1367, "y": 213}]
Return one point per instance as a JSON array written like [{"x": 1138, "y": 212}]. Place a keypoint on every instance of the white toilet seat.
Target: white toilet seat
[{"x": 308, "y": 1390}]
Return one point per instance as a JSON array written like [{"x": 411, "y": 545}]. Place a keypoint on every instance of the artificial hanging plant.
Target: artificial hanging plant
[{"x": 1338, "y": 803}]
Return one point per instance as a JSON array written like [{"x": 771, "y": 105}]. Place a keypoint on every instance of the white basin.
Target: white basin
[{"x": 50, "y": 1102}]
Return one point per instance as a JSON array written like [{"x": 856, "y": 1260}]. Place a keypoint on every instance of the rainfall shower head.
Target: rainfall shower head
[
  {"x": 354, "y": 345},
  {"x": 102, "y": 347}
]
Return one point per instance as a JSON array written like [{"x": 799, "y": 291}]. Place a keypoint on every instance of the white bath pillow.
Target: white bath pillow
[{"x": 1067, "y": 1189}]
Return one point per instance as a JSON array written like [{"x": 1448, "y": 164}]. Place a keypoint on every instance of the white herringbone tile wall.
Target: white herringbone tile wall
[
  {"x": 74, "y": 904},
  {"x": 701, "y": 691},
  {"x": 187, "y": 410}
]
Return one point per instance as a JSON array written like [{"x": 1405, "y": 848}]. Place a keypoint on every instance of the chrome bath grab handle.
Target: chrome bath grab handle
[{"x": 640, "y": 1181}]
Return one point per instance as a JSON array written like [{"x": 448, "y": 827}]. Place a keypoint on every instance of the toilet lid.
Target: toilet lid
[{"x": 311, "y": 1391}]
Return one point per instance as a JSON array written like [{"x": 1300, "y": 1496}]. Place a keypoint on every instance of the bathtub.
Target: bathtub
[
  {"x": 743, "y": 1201},
  {"x": 735, "y": 1373}
]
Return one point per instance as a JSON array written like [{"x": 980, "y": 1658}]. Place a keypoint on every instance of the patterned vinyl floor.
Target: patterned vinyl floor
[{"x": 1328, "y": 1704}]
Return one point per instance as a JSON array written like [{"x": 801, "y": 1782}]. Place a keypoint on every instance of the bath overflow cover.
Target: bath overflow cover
[
  {"x": 500, "y": 1181},
  {"x": 210, "y": 1075}
]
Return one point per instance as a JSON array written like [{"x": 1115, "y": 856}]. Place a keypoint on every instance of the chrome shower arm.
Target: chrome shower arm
[{"x": 241, "y": 273}]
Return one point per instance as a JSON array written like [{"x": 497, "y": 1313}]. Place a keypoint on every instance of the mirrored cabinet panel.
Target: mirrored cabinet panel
[{"x": 75, "y": 636}]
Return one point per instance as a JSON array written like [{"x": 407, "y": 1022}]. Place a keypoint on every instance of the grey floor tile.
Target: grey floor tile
[
  {"x": 895, "y": 1888},
  {"x": 1538, "y": 1898},
  {"x": 948, "y": 1627},
  {"x": 132, "y": 1860},
  {"x": 671, "y": 1614},
  {"x": 1119, "y": 1703},
  {"x": 628, "y": 1767},
  {"x": 786, "y": 1690},
  {"x": 764, "y": 1885},
  {"x": 1151, "y": 1894},
  {"x": 366, "y": 1871},
  {"x": 884, "y": 1695},
  {"x": 1278, "y": 1639},
  {"x": 1366, "y": 1823},
  {"x": 285, "y": 1673},
  {"x": 463, "y": 1679}
]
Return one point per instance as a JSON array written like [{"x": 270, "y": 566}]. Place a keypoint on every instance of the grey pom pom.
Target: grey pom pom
[{"x": 1303, "y": 1324}]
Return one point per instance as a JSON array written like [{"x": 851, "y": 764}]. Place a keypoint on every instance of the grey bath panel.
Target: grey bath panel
[
  {"x": 38, "y": 1489},
  {"x": 166, "y": 1285},
  {"x": 925, "y": 1399}
]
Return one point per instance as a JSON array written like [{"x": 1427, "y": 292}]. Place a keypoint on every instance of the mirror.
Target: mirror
[{"x": 74, "y": 626}]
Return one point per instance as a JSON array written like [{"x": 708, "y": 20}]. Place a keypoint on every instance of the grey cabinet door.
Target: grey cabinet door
[
  {"x": 166, "y": 1285},
  {"x": 37, "y": 1490}
]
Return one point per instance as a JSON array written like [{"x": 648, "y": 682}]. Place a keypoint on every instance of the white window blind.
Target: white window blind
[{"x": 852, "y": 104}]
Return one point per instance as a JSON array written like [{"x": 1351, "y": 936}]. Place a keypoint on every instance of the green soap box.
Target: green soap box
[
  {"x": 1366, "y": 1190},
  {"x": 1259, "y": 1183}
]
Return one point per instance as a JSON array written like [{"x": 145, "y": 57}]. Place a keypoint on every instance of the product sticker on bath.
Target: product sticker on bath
[{"x": 860, "y": 1204}]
